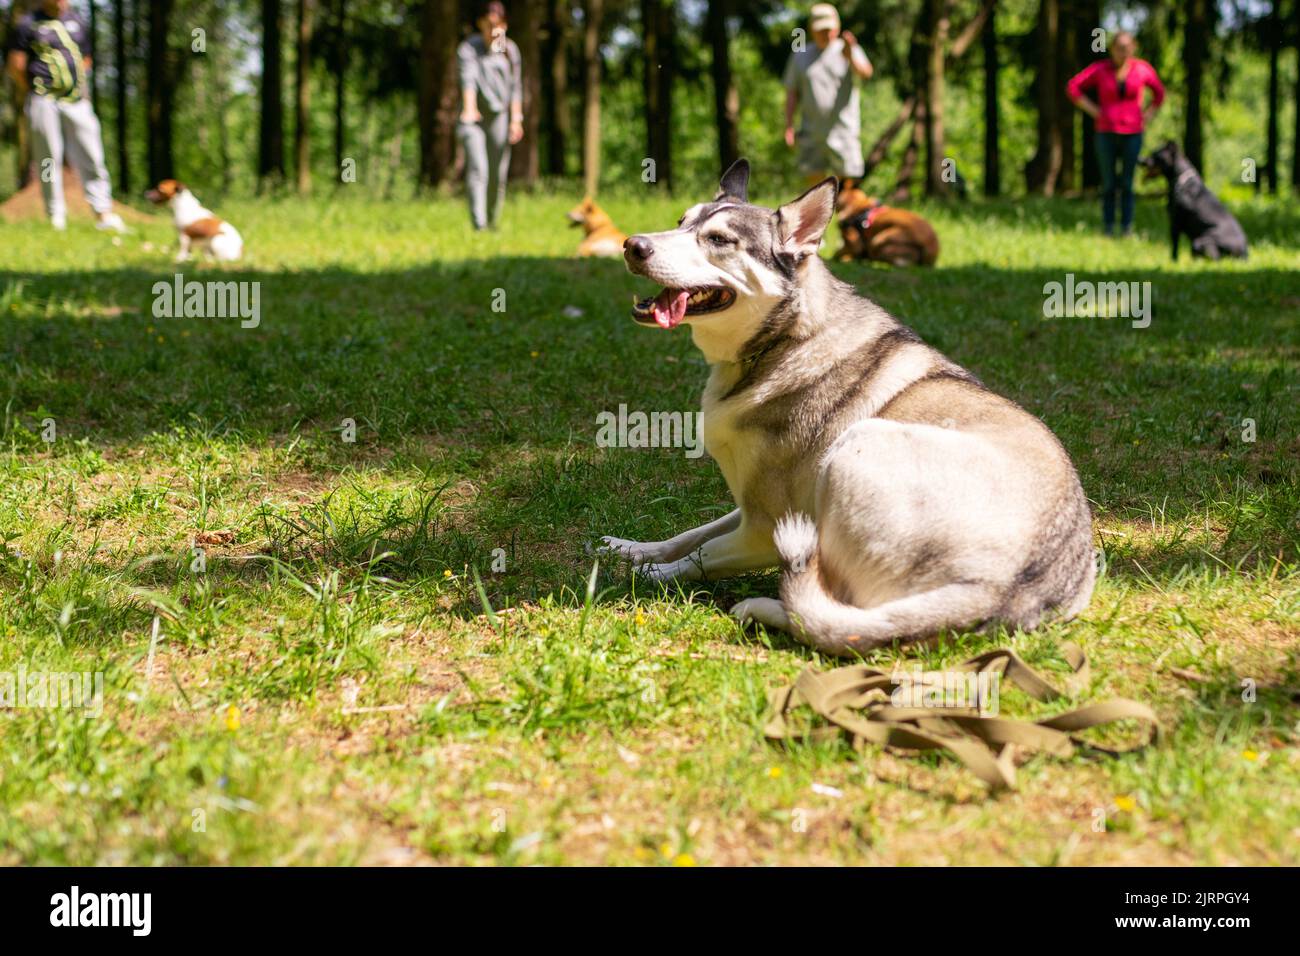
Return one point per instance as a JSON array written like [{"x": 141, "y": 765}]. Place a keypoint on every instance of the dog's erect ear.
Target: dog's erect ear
[
  {"x": 735, "y": 182},
  {"x": 800, "y": 224}
]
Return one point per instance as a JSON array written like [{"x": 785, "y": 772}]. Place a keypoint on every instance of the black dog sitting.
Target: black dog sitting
[{"x": 1193, "y": 209}]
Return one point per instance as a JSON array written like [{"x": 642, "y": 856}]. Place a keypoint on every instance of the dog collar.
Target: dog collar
[{"x": 864, "y": 219}]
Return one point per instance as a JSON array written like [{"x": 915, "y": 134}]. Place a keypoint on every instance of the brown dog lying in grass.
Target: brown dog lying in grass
[
  {"x": 603, "y": 237},
  {"x": 872, "y": 230}
]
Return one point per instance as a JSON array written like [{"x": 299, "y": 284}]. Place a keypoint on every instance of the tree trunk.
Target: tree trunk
[
  {"x": 594, "y": 10},
  {"x": 394, "y": 164},
  {"x": 913, "y": 107},
  {"x": 198, "y": 76},
  {"x": 525, "y": 24},
  {"x": 902, "y": 191},
  {"x": 438, "y": 101},
  {"x": 92, "y": 24},
  {"x": 1067, "y": 64},
  {"x": 726, "y": 100},
  {"x": 159, "y": 93},
  {"x": 22, "y": 145},
  {"x": 667, "y": 79},
  {"x": 1087, "y": 17},
  {"x": 302, "y": 80},
  {"x": 1295, "y": 100},
  {"x": 1195, "y": 45},
  {"x": 992, "y": 155},
  {"x": 220, "y": 56},
  {"x": 1274, "y": 40},
  {"x": 270, "y": 161},
  {"x": 121, "y": 66},
  {"x": 937, "y": 33},
  {"x": 657, "y": 27},
  {"x": 340, "y": 83},
  {"x": 881, "y": 147},
  {"x": 1044, "y": 169},
  {"x": 555, "y": 95}
]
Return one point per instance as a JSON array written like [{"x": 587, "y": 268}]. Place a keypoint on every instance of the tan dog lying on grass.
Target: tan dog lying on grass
[
  {"x": 872, "y": 230},
  {"x": 603, "y": 237}
]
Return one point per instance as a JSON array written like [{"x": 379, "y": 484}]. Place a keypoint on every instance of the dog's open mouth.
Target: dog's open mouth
[{"x": 672, "y": 305}]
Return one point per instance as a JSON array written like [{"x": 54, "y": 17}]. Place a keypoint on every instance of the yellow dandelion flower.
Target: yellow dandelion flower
[
  {"x": 666, "y": 850},
  {"x": 1250, "y": 755},
  {"x": 683, "y": 859},
  {"x": 447, "y": 573},
  {"x": 774, "y": 772},
  {"x": 232, "y": 718},
  {"x": 1127, "y": 804}
]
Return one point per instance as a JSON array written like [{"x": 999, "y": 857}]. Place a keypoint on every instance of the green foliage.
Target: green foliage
[{"x": 216, "y": 122}]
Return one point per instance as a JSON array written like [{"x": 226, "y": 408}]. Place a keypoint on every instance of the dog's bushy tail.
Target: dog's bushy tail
[{"x": 824, "y": 622}]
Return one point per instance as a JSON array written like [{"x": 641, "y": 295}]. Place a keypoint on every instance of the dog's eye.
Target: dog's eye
[{"x": 719, "y": 239}]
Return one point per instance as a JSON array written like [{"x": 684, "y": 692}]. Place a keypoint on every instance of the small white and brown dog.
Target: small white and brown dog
[{"x": 196, "y": 226}]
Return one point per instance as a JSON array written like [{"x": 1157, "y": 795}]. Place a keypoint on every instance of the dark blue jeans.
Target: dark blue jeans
[{"x": 1124, "y": 148}]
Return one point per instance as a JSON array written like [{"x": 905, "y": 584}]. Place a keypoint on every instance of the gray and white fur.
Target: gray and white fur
[{"x": 899, "y": 495}]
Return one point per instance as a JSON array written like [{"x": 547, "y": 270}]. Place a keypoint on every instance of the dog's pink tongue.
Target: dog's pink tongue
[{"x": 670, "y": 310}]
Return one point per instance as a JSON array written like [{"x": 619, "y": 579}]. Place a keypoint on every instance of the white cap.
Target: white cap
[{"x": 824, "y": 17}]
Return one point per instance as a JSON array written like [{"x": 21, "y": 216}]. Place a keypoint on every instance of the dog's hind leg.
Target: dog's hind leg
[
  {"x": 761, "y": 610},
  {"x": 894, "y": 246},
  {"x": 1207, "y": 247},
  {"x": 818, "y": 619},
  {"x": 901, "y": 255}
]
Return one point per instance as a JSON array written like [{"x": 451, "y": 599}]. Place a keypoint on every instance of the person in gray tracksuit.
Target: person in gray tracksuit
[
  {"x": 492, "y": 112},
  {"x": 49, "y": 66}
]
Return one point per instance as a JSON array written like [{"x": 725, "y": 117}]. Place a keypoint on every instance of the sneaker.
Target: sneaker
[
  {"x": 59, "y": 223},
  {"x": 112, "y": 222}
]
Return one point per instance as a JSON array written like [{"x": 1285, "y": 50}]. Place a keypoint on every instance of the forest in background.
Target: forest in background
[{"x": 241, "y": 97}]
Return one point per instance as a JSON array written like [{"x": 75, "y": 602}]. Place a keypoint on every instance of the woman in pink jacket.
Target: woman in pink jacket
[{"x": 1117, "y": 85}]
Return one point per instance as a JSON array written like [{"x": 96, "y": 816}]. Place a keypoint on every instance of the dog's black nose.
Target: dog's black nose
[{"x": 637, "y": 247}]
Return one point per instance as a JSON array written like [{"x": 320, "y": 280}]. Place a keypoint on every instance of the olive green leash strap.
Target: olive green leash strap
[{"x": 862, "y": 702}]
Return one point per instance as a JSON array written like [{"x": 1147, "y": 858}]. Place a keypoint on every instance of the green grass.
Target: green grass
[{"x": 539, "y": 715}]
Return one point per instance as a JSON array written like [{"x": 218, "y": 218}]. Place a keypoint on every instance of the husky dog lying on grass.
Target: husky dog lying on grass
[{"x": 899, "y": 495}]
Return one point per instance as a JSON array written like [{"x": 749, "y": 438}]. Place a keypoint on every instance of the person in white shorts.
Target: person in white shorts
[
  {"x": 819, "y": 83},
  {"x": 49, "y": 67}
]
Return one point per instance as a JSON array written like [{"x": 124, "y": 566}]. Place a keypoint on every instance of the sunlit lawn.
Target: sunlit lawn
[{"x": 327, "y": 686}]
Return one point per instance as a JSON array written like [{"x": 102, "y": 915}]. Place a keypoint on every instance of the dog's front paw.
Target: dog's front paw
[{"x": 633, "y": 551}]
